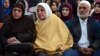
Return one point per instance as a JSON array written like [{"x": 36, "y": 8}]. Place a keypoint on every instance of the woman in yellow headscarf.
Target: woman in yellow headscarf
[{"x": 53, "y": 36}]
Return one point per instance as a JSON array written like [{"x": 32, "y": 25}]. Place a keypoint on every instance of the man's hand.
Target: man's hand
[
  {"x": 86, "y": 51},
  {"x": 89, "y": 50},
  {"x": 82, "y": 50}
]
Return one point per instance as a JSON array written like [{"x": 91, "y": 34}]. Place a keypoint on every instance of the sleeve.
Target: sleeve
[
  {"x": 30, "y": 34},
  {"x": 31, "y": 29},
  {"x": 3, "y": 34},
  {"x": 96, "y": 33}
]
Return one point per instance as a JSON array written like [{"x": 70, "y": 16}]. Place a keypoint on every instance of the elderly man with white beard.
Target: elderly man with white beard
[{"x": 85, "y": 31}]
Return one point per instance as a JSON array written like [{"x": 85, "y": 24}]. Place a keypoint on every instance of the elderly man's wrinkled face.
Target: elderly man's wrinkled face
[{"x": 83, "y": 11}]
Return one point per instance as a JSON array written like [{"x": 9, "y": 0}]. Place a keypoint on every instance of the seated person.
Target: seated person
[
  {"x": 53, "y": 37},
  {"x": 85, "y": 31},
  {"x": 18, "y": 32}
]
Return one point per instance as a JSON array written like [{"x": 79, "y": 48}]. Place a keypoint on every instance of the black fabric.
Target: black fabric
[
  {"x": 41, "y": 53},
  {"x": 12, "y": 2},
  {"x": 74, "y": 6},
  {"x": 12, "y": 28},
  {"x": 23, "y": 29},
  {"x": 57, "y": 54},
  {"x": 25, "y": 37},
  {"x": 16, "y": 54},
  {"x": 20, "y": 48}
]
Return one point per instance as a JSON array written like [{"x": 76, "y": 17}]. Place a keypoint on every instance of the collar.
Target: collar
[{"x": 81, "y": 21}]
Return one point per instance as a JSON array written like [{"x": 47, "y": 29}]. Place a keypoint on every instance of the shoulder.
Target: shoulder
[
  {"x": 94, "y": 23},
  {"x": 71, "y": 21},
  {"x": 27, "y": 18}
]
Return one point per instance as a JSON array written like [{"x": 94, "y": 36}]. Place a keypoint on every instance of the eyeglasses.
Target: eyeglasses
[{"x": 19, "y": 10}]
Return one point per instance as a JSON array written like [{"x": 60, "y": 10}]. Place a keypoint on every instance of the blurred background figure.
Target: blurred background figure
[
  {"x": 53, "y": 6},
  {"x": 96, "y": 13},
  {"x": 74, "y": 6},
  {"x": 66, "y": 11},
  {"x": 32, "y": 4},
  {"x": 7, "y": 8}
]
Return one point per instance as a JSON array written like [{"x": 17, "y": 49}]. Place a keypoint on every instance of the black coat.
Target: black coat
[{"x": 23, "y": 29}]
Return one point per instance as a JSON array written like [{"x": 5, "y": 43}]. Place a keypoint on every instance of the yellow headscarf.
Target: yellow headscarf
[{"x": 52, "y": 34}]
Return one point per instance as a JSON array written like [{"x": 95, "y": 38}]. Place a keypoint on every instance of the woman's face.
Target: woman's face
[
  {"x": 17, "y": 13},
  {"x": 65, "y": 11},
  {"x": 41, "y": 13},
  {"x": 97, "y": 8},
  {"x": 54, "y": 7},
  {"x": 6, "y": 3}
]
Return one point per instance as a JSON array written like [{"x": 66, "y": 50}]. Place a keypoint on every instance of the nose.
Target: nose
[
  {"x": 81, "y": 9},
  {"x": 39, "y": 11},
  {"x": 16, "y": 11}
]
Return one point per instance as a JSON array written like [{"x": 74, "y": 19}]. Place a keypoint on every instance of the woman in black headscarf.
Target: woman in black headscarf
[
  {"x": 66, "y": 11},
  {"x": 96, "y": 13},
  {"x": 18, "y": 33}
]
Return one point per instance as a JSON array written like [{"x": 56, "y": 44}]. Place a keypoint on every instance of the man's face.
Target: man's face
[{"x": 83, "y": 10}]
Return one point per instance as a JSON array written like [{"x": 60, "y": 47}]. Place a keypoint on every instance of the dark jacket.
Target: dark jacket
[
  {"x": 1, "y": 11},
  {"x": 23, "y": 29},
  {"x": 93, "y": 32}
]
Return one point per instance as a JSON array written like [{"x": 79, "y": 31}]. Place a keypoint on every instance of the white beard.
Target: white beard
[{"x": 83, "y": 16}]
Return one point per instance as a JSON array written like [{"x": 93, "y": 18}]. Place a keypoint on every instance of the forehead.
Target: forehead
[
  {"x": 40, "y": 7},
  {"x": 53, "y": 2},
  {"x": 83, "y": 5},
  {"x": 17, "y": 8},
  {"x": 65, "y": 8},
  {"x": 6, "y": 0}
]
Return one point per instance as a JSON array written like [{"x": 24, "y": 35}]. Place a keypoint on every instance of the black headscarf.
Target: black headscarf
[{"x": 21, "y": 6}]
